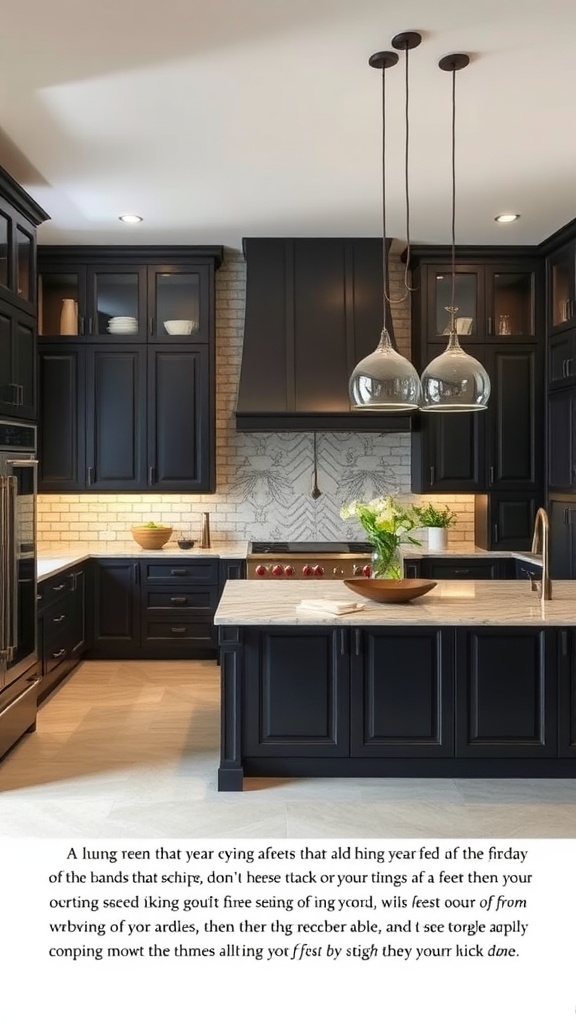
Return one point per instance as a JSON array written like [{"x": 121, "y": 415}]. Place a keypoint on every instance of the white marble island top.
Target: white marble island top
[{"x": 450, "y": 603}]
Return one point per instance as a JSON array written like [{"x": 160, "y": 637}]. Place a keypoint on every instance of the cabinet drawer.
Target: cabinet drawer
[
  {"x": 198, "y": 632},
  {"x": 201, "y": 599},
  {"x": 183, "y": 570},
  {"x": 56, "y": 650},
  {"x": 53, "y": 590}
]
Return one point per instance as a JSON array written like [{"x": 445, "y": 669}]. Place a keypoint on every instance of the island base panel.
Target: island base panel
[{"x": 414, "y": 768}]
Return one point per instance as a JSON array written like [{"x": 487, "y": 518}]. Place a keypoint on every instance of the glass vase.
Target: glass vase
[{"x": 386, "y": 563}]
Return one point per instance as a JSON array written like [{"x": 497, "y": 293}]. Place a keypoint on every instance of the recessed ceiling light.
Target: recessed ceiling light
[
  {"x": 506, "y": 218},
  {"x": 130, "y": 218}
]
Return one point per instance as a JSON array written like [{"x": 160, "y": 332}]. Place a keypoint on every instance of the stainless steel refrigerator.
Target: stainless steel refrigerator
[{"x": 18, "y": 614}]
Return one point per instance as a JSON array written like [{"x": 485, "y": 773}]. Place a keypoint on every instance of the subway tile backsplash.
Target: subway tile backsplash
[{"x": 264, "y": 480}]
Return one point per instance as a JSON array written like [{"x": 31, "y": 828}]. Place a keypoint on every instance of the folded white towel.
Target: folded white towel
[{"x": 330, "y": 607}]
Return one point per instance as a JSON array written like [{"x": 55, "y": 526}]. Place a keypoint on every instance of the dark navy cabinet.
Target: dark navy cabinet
[{"x": 127, "y": 408}]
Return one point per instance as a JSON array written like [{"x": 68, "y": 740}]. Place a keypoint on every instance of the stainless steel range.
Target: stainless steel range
[{"x": 302, "y": 560}]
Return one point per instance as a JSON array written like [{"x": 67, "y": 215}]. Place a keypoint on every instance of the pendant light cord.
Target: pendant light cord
[
  {"x": 385, "y": 298},
  {"x": 453, "y": 235}
]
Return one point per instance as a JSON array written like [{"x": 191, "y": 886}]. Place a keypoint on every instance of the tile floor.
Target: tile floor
[{"x": 130, "y": 749}]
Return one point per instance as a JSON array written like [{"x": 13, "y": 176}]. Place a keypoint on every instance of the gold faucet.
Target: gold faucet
[{"x": 542, "y": 587}]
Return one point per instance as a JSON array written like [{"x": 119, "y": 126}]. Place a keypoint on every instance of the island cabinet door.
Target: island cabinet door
[
  {"x": 296, "y": 692},
  {"x": 402, "y": 692},
  {"x": 567, "y": 693},
  {"x": 506, "y": 692}
]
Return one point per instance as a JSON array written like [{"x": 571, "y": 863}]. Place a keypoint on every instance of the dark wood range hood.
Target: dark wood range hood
[{"x": 313, "y": 310}]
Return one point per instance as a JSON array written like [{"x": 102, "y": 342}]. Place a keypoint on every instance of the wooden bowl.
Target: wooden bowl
[
  {"x": 389, "y": 591},
  {"x": 151, "y": 538}
]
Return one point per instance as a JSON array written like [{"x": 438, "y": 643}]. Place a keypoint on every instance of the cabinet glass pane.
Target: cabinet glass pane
[
  {"x": 177, "y": 298},
  {"x": 116, "y": 304},
  {"x": 57, "y": 304},
  {"x": 561, "y": 289},
  {"x": 4, "y": 249},
  {"x": 24, "y": 264},
  {"x": 513, "y": 303},
  {"x": 464, "y": 298}
]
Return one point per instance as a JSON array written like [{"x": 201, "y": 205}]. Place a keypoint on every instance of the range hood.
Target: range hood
[{"x": 313, "y": 310}]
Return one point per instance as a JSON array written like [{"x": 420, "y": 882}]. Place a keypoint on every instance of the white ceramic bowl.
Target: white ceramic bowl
[{"x": 180, "y": 326}]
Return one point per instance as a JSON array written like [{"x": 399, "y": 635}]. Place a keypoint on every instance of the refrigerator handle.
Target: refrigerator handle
[
  {"x": 3, "y": 564},
  {"x": 8, "y": 568}
]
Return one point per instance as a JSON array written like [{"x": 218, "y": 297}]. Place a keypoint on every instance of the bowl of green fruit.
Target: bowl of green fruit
[{"x": 151, "y": 536}]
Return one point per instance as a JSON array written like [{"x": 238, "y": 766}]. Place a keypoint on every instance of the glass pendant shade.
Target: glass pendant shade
[
  {"x": 454, "y": 381},
  {"x": 385, "y": 381}
]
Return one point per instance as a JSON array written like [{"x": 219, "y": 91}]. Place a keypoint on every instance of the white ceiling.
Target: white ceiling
[{"x": 215, "y": 119}]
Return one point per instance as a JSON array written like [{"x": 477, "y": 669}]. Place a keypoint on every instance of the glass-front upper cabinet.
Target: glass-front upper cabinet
[
  {"x": 177, "y": 301},
  {"x": 510, "y": 297},
  {"x": 92, "y": 302},
  {"x": 490, "y": 301},
  {"x": 467, "y": 289},
  {"x": 17, "y": 261},
  {"x": 25, "y": 265},
  {"x": 562, "y": 289},
  {"x": 119, "y": 302}
]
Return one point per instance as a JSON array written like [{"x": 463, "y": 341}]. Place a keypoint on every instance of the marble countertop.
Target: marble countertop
[
  {"x": 54, "y": 559},
  {"x": 465, "y": 551},
  {"x": 450, "y": 603}
]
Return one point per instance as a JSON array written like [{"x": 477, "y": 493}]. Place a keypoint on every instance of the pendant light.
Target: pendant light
[
  {"x": 386, "y": 381},
  {"x": 454, "y": 381}
]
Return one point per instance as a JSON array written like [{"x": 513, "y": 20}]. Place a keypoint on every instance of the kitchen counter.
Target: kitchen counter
[
  {"x": 450, "y": 603},
  {"x": 52, "y": 560}
]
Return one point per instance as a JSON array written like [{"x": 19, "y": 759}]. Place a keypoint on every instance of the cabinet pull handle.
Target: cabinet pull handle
[
  {"x": 432, "y": 475},
  {"x": 563, "y": 642},
  {"x": 58, "y": 654},
  {"x": 81, "y": 324},
  {"x": 489, "y": 325},
  {"x": 59, "y": 618},
  {"x": 135, "y": 573},
  {"x": 15, "y": 394},
  {"x": 569, "y": 366},
  {"x": 60, "y": 586},
  {"x": 491, "y": 474},
  {"x": 151, "y": 475},
  {"x": 177, "y": 629},
  {"x": 342, "y": 642},
  {"x": 90, "y": 476},
  {"x": 357, "y": 642},
  {"x": 178, "y": 600},
  {"x": 89, "y": 325},
  {"x": 151, "y": 325},
  {"x": 564, "y": 369},
  {"x": 179, "y": 572},
  {"x": 20, "y": 394},
  {"x": 495, "y": 532},
  {"x": 462, "y": 572}
]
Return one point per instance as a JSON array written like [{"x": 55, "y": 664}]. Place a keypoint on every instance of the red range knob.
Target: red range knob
[
  {"x": 288, "y": 570},
  {"x": 277, "y": 570},
  {"x": 260, "y": 570},
  {"x": 318, "y": 570},
  {"x": 307, "y": 570},
  {"x": 366, "y": 570}
]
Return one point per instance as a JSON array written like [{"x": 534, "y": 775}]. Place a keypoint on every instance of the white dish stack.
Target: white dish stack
[{"x": 122, "y": 325}]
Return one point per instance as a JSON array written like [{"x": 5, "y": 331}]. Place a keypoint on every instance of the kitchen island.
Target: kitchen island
[{"x": 474, "y": 679}]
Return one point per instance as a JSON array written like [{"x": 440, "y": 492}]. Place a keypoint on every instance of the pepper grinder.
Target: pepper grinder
[{"x": 205, "y": 539}]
